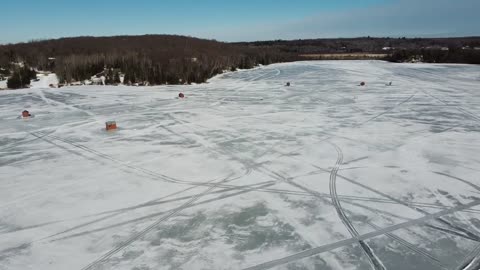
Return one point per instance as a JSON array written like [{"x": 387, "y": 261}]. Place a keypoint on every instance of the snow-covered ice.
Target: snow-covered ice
[
  {"x": 45, "y": 80},
  {"x": 246, "y": 172}
]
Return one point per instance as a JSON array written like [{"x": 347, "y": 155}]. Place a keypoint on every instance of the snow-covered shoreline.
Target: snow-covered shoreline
[{"x": 47, "y": 80}]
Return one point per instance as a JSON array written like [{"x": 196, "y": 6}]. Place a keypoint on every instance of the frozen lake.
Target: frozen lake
[{"x": 246, "y": 173}]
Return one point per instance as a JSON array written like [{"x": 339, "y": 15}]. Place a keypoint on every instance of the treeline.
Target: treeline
[
  {"x": 139, "y": 67},
  {"x": 170, "y": 59},
  {"x": 156, "y": 59},
  {"x": 452, "y": 55},
  {"x": 361, "y": 44}
]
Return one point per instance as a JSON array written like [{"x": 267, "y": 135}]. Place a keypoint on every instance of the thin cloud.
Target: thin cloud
[{"x": 401, "y": 18}]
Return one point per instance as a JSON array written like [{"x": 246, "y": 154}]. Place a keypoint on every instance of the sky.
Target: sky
[{"x": 235, "y": 20}]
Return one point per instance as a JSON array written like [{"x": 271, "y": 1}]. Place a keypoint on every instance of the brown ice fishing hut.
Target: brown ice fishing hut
[
  {"x": 26, "y": 114},
  {"x": 111, "y": 125}
]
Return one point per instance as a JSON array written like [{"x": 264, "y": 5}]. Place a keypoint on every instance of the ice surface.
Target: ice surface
[{"x": 240, "y": 173}]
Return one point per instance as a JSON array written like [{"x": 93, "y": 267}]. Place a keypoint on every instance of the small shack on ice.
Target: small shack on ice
[{"x": 110, "y": 125}]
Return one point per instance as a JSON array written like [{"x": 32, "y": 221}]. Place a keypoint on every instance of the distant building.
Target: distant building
[
  {"x": 387, "y": 48},
  {"x": 436, "y": 48},
  {"x": 51, "y": 62}
]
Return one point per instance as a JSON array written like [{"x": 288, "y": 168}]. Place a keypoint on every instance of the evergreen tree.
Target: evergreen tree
[
  {"x": 21, "y": 78},
  {"x": 14, "y": 82},
  {"x": 129, "y": 77},
  {"x": 109, "y": 77},
  {"x": 116, "y": 78}
]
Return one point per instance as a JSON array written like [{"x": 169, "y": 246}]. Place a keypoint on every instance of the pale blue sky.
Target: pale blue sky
[{"x": 238, "y": 20}]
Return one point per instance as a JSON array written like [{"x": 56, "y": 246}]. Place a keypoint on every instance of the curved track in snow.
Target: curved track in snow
[
  {"x": 374, "y": 260},
  {"x": 329, "y": 247}
]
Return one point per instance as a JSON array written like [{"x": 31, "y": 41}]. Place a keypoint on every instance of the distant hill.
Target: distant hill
[{"x": 158, "y": 47}]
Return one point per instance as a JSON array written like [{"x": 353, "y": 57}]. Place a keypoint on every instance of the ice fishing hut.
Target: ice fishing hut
[
  {"x": 288, "y": 84},
  {"x": 26, "y": 114},
  {"x": 362, "y": 84},
  {"x": 110, "y": 125},
  {"x": 181, "y": 95}
]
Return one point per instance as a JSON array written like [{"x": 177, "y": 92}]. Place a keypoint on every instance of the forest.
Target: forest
[
  {"x": 431, "y": 50},
  {"x": 362, "y": 44},
  {"x": 452, "y": 55},
  {"x": 172, "y": 59},
  {"x": 152, "y": 59}
]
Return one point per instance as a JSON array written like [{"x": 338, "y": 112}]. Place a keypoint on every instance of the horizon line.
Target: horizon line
[{"x": 33, "y": 40}]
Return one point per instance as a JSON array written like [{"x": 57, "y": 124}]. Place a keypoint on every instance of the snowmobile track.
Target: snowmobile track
[
  {"x": 466, "y": 233},
  {"x": 140, "y": 234},
  {"x": 350, "y": 241},
  {"x": 374, "y": 261},
  {"x": 150, "y": 216}
]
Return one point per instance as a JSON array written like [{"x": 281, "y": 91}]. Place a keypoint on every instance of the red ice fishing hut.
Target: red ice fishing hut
[
  {"x": 111, "y": 125},
  {"x": 26, "y": 114}
]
